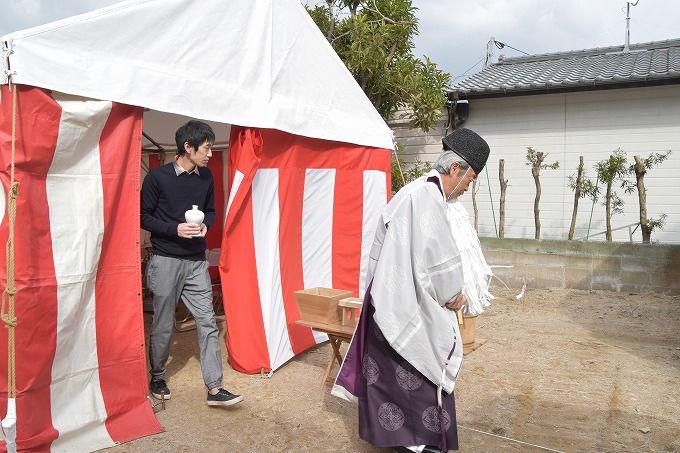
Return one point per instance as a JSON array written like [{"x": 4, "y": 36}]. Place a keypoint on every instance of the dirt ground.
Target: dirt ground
[{"x": 562, "y": 369}]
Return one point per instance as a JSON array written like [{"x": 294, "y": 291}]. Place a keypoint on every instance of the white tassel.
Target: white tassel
[{"x": 476, "y": 272}]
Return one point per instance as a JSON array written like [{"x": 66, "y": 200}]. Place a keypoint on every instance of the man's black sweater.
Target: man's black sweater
[{"x": 165, "y": 198}]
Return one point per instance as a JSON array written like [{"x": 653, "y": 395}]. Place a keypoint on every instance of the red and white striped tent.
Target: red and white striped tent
[{"x": 307, "y": 172}]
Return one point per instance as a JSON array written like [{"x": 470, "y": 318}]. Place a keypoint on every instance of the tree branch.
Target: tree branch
[{"x": 385, "y": 18}]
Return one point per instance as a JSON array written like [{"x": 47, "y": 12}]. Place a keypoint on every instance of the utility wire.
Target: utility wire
[
  {"x": 469, "y": 69},
  {"x": 501, "y": 45}
]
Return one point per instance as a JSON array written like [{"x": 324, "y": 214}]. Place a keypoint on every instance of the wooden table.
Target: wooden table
[{"x": 337, "y": 333}]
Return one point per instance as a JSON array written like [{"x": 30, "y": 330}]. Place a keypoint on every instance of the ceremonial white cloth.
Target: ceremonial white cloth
[
  {"x": 416, "y": 269},
  {"x": 477, "y": 273}
]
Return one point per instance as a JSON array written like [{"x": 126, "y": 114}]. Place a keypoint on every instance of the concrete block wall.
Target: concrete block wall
[{"x": 621, "y": 267}]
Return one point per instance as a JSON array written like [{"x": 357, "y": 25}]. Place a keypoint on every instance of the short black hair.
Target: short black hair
[{"x": 195, "y": 133}]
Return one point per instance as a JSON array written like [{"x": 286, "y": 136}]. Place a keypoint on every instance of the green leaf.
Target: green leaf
[{"x": 376, "y": 45}]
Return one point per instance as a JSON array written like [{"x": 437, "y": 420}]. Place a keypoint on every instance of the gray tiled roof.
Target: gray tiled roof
[{"x": 645, "y": 64}]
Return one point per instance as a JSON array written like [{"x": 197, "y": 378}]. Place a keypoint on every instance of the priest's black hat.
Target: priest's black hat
[{"x": 468, "y": 145}]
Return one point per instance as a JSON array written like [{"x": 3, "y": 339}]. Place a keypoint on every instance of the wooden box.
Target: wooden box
[
  {"x": 467, "y": 329},
  {"x": 320, "y": 304},
  {"x": 350, "y": 309}
]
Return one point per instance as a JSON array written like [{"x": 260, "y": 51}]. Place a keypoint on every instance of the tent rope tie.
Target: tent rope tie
[
  {"x": 7, "y": 73},
  {"x": 5, "y": 317},
  {"x": 10, "y": 291}
]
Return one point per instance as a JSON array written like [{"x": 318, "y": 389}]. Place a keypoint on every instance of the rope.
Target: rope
[
  {"x": 511, "y": 440},
  {"x": 396, "y": 156},
  {"x": 8, "y": 294}
]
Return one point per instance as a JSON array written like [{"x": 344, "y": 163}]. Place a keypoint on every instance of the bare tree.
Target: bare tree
[
  {"x": 474, "y": 203},
  {"x": 504, "y": 186},
  {"x": 582, "y": 187},
  {"x": 640, "y": 168},
  {"x": 331, "y": 21},
  {"x": 609, "y": 171},
  {"x": 535, "y": 159},
  {"x": 577, "y": 194}
]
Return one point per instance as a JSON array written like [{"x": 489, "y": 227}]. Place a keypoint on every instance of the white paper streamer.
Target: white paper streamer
[{"x": 477, "y": 273}]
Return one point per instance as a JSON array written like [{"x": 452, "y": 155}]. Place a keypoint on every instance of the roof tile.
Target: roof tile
[{"x": 601, "y": 66}]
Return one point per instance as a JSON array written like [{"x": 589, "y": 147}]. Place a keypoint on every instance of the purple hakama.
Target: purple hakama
[{"x": 397, "y": 404}]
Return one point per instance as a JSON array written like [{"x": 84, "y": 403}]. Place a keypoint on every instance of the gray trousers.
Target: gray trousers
[{"x": 172, "y": 278}]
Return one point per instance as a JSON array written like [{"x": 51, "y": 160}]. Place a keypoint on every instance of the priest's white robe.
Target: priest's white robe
[{"x": 416, "y": 268}]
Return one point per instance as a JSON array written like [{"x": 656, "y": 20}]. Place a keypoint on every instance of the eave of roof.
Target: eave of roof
[{"x": 645, "y": 64}]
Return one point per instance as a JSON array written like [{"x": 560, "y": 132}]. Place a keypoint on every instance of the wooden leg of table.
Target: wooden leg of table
[
  {"x": 334, "y": 357},
  {"x": 329, "y": 367},
  {"x": 335, "y": 343}
]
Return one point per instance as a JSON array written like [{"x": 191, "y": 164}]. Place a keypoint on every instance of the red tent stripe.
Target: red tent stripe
[
  {"x": 347, "y": 223},
  {"x": 246, "y": 340},
  {"x": 291, "y": 190},
  {"x": 283, "y": 150},
  {"x": 105, "y": 305},
  {"x": 299, "y": 161},
  {"x": 35, "y": 279},
  {"x": 214, "y": 237},
  {"x": 122, "y": 369}
]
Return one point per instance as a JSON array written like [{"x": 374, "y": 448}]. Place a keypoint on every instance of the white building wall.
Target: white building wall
[{"x": 591, "y": 124}]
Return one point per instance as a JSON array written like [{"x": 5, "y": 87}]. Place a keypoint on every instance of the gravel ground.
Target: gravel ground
[{"x": 562, "y": 369}]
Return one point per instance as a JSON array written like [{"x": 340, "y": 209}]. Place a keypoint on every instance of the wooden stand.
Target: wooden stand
[
  {"x": 349, "y": 307},
  {"x": 337, "y": 334}
]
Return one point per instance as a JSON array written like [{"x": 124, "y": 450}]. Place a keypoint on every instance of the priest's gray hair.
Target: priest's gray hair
[{"x": 447, "y": 159}]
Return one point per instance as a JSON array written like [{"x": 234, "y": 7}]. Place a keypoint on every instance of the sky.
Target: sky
[{"x": 454, "y": 33}]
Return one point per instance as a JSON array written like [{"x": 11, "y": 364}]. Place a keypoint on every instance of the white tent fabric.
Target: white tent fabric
[
  {"x": 177, "y": 56},
  {"x": 161, "y": 128}
]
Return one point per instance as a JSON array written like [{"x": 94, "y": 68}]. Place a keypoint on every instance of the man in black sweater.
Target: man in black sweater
[{"x": 178, "y": 267}]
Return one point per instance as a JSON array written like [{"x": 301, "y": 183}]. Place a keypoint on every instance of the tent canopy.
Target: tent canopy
[
  {"x": 160, "y": 127},
  {"x": 178, "y": 56}
]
